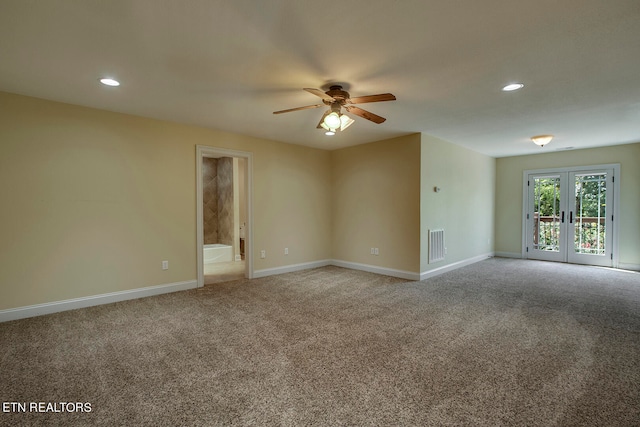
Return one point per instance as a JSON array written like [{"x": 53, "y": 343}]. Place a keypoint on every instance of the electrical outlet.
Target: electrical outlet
[
  {"x": 263, "y": 254},
  {"x": 373, "y": 251},
  {"x": 286, "y": 251},
  {"x": 376, "y": 251},
  {"x": 165, "y": 265}
]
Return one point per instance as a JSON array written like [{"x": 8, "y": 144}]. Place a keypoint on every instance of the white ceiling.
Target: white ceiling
[{"x": 229, "y": 64}]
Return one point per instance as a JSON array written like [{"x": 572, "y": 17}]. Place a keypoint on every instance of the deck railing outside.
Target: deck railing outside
[{"x": 589, "y": 237}]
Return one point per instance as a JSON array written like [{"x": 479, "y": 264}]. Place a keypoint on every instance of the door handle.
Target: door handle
[
  {"x": 571, "y": 217},
  {"x": 562, "y": 217}
]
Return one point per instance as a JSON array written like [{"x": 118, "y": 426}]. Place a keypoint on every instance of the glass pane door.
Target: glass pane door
[
  {"x": 546, "y": 217},
  {"x": 569, "y": 216},
  {"x": 589, "y": 222}
]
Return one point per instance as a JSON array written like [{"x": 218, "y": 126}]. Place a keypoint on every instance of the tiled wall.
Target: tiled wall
[
  {"x": 225, "y": 200},
  {"x": 217, "y": 190},
  {"x": 210, "y": 199}
]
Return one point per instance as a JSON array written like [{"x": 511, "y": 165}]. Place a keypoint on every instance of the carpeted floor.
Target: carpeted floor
[{"x": 498, "y": 343}]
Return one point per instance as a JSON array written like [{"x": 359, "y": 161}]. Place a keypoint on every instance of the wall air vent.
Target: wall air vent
[{"x": 436, "y": 245}]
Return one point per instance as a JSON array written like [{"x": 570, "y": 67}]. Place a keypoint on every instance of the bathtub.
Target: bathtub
[{"x": 217, "y": 253}]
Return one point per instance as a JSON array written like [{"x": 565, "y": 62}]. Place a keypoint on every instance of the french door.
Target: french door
[{"x": 569, "y": 215}]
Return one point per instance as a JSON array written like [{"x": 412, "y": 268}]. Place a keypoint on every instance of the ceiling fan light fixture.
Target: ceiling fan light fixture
[
  {"x": 329, "y": 131},
  {"x": 332, "y": 120},
  {"x": 541, "y": 140},
  {"x": 345, "y": 121}
]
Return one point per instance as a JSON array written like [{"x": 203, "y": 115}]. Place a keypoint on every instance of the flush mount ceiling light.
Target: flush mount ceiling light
[
  {"x": 541, "y": 140},
  {"x": 513, "y": 86},
  {"x": 109, "y": 82}
]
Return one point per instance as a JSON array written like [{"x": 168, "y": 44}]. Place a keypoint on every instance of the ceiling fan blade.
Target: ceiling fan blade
[
  {"x": 321, "y": 94},
  {"x": 326, "y": 113},
  {"x": 365, "y": 114},
  {"x": 299, "y": 108},
  {"x": 371, "y": 98}
]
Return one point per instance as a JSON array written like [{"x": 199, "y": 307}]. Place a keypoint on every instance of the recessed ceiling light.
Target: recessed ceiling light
[
  {"x": 513, "y": 86},
  {"x": 109, "y": 82}
]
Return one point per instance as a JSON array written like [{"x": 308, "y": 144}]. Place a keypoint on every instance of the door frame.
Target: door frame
[
  {"x": 204, "y": 151},
  {"x": 615, "y": 202}
]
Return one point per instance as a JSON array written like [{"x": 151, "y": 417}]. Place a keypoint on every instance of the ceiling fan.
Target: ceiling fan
[{"x": 336, "y": 98}]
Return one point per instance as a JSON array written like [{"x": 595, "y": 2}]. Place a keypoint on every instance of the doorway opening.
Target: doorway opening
[
  {"x": 569, "y": 215},
  {"x": 224, "y": 214}
]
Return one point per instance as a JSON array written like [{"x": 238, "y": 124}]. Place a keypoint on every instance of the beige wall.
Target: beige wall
[
  {"x": 93, "y": 201},
  {"x": 376, "y": 203},
  {"x": 509, "y": 172},
  {"x": 292, "y": 209},
  {"x": 464, "y": 207}
]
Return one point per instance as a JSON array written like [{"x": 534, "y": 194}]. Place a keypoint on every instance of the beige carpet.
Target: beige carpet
[{"x": 498, "y": 343}]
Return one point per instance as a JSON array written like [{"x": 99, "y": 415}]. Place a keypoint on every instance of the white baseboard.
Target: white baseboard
[
  {"x": 628, "y": 266},
  {"x": 453, "y": 266},
  {"x": 509, "y": 255},
  {"x": 402, "y": 274},
  {"x": 72, "y": 304},
  {"x": 338, "y": 263},
  {"x": 290, "y": 268}
]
